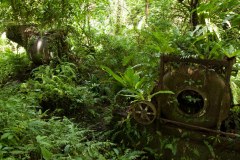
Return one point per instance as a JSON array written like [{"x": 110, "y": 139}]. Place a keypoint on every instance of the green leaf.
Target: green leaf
[
  {"x": 196, "y": 152},
  {"x": 42, "y": 141},
  {"x": 214, "y": 50},
  {"x": 6, "y": 135},
  {"x": 172, "y": 147},
  {"x": 116, "y": 151},
  {"x": 231, "y": 51},
  {"x": 216, "y": 31},
  {"x": 115, "y": 76},
  {"x": 47, "y": 155},
  {"x": 127, "y": 59},
  {"x": 140, "y": 83},
  {"x": 16, "y": 152},
  {"x": 210, "y": 148},
  {"x": 130, "y": 77},
  {"x": 159, "y": 92}
]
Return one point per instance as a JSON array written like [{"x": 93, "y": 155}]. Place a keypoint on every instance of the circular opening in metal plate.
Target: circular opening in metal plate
[{"x": 190, "y": 101}]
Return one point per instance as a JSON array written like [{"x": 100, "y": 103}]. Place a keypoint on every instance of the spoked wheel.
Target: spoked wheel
[{"x": 144, "y": 112}]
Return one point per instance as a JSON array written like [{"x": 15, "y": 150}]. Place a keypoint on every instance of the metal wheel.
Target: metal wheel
[{"x": 144, "y": 112}]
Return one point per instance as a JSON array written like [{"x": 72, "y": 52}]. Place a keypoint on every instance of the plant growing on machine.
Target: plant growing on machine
[
  {"x": 135, "y": 86},
  {"x": 141, "y": 90}
]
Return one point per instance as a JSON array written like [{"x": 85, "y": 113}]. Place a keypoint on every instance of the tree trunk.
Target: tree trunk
[
  {"x": 146, "y": 9},
  {"x": 193, "y": 14}
]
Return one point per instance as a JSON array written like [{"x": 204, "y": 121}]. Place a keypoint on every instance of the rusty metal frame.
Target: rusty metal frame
[
  {"x": 225, "y": 63},
  {"x": 198, "y": 128}
]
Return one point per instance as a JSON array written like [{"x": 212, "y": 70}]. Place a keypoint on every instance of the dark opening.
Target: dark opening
[{"x": 190, "y": 101}]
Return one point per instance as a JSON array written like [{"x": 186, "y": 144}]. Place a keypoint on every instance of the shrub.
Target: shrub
[
  {"x": 56, "y": 89},
  {"x": 13, "y": 67}
]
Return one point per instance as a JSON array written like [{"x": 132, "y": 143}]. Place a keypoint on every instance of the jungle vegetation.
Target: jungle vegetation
[{"x": 63, "y": 109}]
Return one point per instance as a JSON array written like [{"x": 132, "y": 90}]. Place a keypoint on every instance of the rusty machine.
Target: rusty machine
[
  {"x": 41, "y": 47},
  {"x": 201, "y": 102}
]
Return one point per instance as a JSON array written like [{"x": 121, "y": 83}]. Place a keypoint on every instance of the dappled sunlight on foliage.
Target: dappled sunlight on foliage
[{"x": 78, "y": 105}]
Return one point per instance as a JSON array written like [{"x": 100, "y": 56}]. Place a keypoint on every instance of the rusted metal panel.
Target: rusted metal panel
[{"x": 202, "y": 90}]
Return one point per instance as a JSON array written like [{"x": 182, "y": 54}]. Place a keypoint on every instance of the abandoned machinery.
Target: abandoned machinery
[
  {"x": 41, "y": 47},
  {"x": 202, "y": 95}
]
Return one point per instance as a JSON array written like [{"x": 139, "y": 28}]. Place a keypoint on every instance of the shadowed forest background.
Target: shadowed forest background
[{"x": 103, "y": 55}]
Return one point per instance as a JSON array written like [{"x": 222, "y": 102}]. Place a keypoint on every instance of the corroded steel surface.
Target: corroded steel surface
[{"x": 202, "y": 90}]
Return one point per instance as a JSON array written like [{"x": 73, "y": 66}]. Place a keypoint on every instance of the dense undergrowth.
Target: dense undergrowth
[
  {"x": 65, "y": 109},
  {"x": 56, "y": 112},
  {"x": 51, "y": 116}
]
